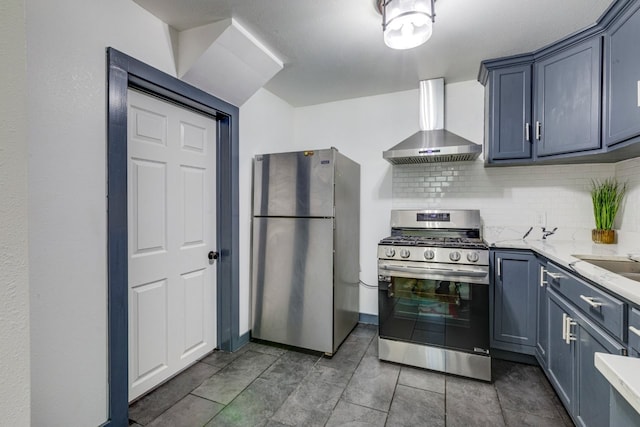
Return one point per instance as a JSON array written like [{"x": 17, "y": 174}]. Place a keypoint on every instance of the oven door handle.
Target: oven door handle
[{"x": 427, "y": 270}]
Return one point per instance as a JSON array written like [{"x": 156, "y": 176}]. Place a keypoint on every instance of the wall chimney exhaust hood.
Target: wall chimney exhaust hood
[{"x": 432, "y": 143}]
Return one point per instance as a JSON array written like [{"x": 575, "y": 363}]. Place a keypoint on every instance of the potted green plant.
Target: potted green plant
[{"x": 607, "y": 196}]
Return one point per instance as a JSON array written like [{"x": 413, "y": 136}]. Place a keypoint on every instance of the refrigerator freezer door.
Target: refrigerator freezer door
[
  {"x": 298, "y": 184},
  {"x": 292, "y": 282}
]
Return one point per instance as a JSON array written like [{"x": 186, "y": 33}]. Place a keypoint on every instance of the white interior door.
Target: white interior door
[{"x": 171, "y": 219}]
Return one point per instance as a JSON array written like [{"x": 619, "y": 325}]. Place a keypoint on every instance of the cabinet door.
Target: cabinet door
[
  {"x": 622, "y": 78},
  {"x": 567, "y": 100},
  {"x": 542, "y": 330},
  {"x": 515, "y": 281},
  {"x": 560, "y": 357},
  {"x": 592, "y": 397},
  {"x": 510, "y": 113}
]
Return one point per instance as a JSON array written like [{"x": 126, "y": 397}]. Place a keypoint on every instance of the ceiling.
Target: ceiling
[{"x": 333, "y": 49}]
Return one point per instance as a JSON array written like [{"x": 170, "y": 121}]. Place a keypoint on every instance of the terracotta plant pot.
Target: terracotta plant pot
[{"x": 603, "y": 236}]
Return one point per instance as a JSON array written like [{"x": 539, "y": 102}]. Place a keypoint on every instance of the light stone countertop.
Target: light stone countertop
[
  {"x": 623, "y": 374},
  {"x": 561, "y": 252}
]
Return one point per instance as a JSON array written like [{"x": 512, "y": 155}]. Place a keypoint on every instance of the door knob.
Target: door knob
[{"x": 213, "y": 255}]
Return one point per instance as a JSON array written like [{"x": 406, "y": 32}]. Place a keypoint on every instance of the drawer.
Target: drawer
[
  {"x": 634, "y": 332},
  {"x": 603, "y": 308}
]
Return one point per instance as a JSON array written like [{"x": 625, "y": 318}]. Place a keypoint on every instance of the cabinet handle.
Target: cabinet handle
[
  {"x": 635, "y": 330},
  {"x": 591, "y": 301},
  {"x": 527, "y": 131},
  {"x": 564, "y": 326},
  {"x": 543, "y": 282},
  {"x": 538, "y": 130},
  {"x": 499, "y": 267},
  {"x": 554, "y": 276},
  {"x": 569, "y": 336}
]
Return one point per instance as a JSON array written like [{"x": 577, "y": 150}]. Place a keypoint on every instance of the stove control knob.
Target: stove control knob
[
  {"x": 429, "y": 254},
  {"x": 473, "y": 256},
  {"x": 389, "y": 252},
  {"x": 454, "y": 256},
  {"x": 404, "y": 253}
]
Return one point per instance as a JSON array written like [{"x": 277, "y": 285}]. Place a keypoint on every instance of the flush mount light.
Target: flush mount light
[{"x": 406, "y": 23}]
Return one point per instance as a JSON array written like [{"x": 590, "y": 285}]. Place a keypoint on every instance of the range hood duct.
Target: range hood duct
[{"x": 432, "y": 143}]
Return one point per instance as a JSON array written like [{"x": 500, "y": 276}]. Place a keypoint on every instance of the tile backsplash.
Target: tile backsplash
[{"x": 512, "y": 199}]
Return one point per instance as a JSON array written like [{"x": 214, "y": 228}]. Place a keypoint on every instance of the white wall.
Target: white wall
[
  {"x": 67, "y": 185},
  {"x": 14, "y": 284},
  {"x": 265, "y": 127}
]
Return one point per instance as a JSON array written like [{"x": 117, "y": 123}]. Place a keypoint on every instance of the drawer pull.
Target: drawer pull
[
  {"x": 542, "y": 273},
  {"x": 591, "y": 301},
  {"x": 568, "y": 335},
  {"x": 554, "y": 276},
  {"x": 635, "y": 330}
]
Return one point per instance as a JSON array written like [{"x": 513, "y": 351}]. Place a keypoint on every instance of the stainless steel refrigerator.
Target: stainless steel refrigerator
[{"x": 305, "y": 248}]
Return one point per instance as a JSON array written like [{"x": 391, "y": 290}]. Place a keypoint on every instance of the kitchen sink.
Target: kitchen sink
[{"x": 619, "y": 265}]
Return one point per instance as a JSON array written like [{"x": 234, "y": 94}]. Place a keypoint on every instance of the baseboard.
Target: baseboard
[
  {"x": 513, "y": 357},
  {"x": 242, "y": 340},
  {"x": 369, "y": 319}
]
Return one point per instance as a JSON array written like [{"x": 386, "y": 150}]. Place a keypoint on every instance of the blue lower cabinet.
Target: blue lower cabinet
[
  {"x": 542, "y": 318},
  {"x": 634, "y": 332},
  {"x": 622, "y": 414},
  {"x": 573, "y": 342},
  {"x": 561, "y": 356},
  {"x": 515, "y": 281}
]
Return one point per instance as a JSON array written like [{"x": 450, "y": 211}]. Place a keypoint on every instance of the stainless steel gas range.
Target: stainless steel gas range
[{"x": 433, "y": 292}]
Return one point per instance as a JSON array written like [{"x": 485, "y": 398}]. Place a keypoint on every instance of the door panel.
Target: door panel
[
  {"x": 292, "y": 281},
  {"x": 568, "y": 99},
  {"x": 171, "y": 210},
  {"x": 592, "y": 408},
  {"x": 298, "y": 184},
  {"x": 149, "y": 326},
  {"x": 561, "y": 355}
]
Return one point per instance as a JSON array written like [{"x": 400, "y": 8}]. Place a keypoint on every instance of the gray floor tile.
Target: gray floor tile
[
  {"x": 372, "y": 384},
  {"x": 272, "y": 423},
  {"x": 290, "y": 368},
  {"x": 563, "y": 414},
  {"x": 522, "y": 419},
  {"x": 225, "y": 385},
  {"x": 415, "y": 407},
  {"x": 338, "y": 375},
  {"x": 471, "y": 402},
  {"x": 366, "y": 331},
  {"x": 273, "y": 350},
  {"x": 348, "y": 414},
  {"x": 189, "y": 412},
  {"x": 255, "y": 405},
  {"x": 221, "y": 358},
  {"x": 523, "y": 388},
  {"x": 135, "y": 425},
  {"x": 372, "y": 350},
  {"x": 422, "y": 379},
  {"x": 168, "y": 394},
  {"x": 309, "y": 405}
]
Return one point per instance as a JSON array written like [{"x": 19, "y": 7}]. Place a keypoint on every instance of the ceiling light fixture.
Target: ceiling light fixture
[{"x": 406, "y": 23}]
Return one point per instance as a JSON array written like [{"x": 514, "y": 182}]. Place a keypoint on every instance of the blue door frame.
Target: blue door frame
[{"x": 124, "y": 72}]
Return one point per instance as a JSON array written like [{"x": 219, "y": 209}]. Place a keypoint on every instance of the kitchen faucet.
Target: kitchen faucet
[{"x": 546, "y": 233}]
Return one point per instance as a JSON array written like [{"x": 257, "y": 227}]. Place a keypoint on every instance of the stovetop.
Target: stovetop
[{"x": 439, "y": 242}]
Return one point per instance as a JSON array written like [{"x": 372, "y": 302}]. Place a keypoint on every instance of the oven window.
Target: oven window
[
  {"x": 431, "y": 299},
  {"x": 443, "y": 313}
]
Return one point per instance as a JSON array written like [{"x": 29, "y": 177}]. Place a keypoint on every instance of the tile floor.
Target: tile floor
[{"x": 262, "y": 385}]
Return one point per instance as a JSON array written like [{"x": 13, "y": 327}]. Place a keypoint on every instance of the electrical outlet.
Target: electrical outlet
[{"x": 541, "y": 219}]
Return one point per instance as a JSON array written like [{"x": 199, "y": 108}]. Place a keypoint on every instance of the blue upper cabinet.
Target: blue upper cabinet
[
  {"x": 577, "y": 100},
  {"x": 621, "y": 106},
  {"x": 509, "y": 113},
  {"x": 567, "y": 100}
]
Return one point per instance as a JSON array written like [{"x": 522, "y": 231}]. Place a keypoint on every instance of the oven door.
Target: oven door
[{"x": 440, "y": 305}]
